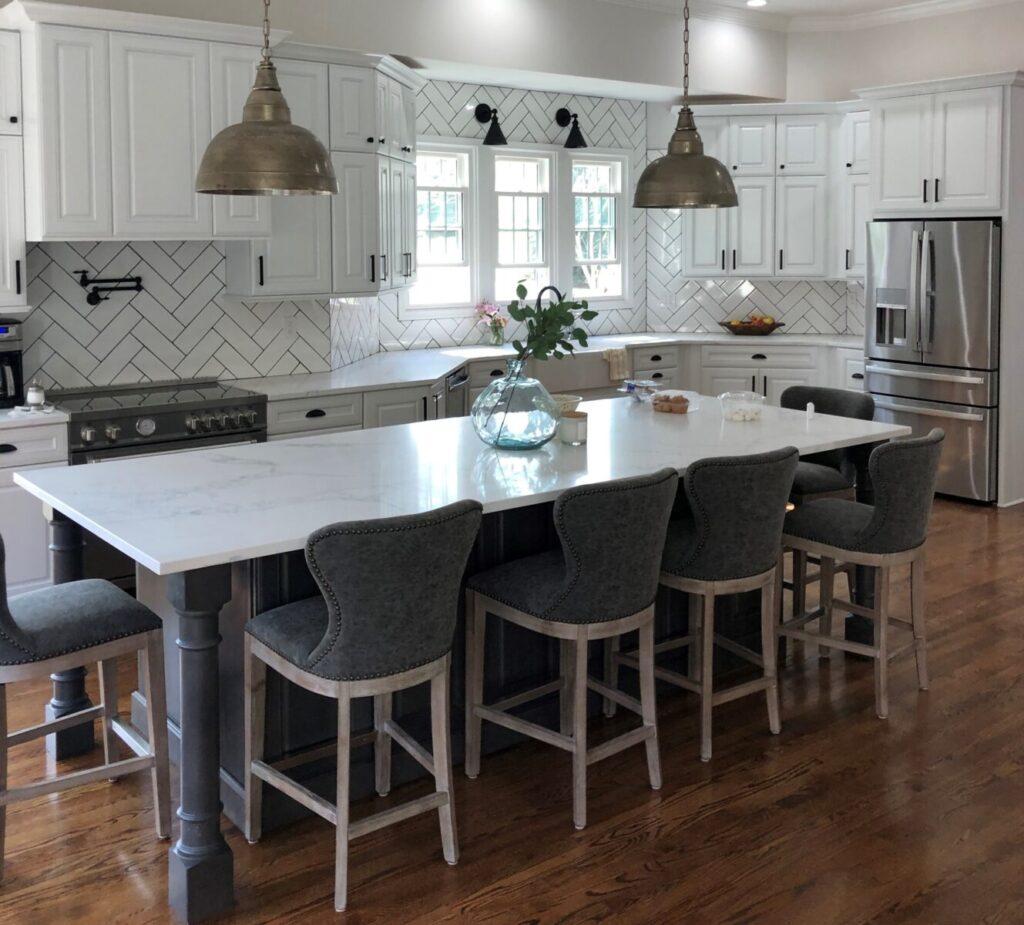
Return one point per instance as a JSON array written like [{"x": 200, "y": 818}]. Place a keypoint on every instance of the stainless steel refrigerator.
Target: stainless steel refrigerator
[{"x": 932, "y": 340}]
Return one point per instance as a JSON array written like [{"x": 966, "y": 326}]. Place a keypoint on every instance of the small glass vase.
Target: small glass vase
[
  {"x": 497, "y": 335},
  {"x": 515, "y": 412}
]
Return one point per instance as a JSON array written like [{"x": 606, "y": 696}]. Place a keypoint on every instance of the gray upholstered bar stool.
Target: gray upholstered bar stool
[
  {"x": 831, "y": 474},
  {"x": 57, "y": 628},
  {"x": 601, "y": 583},
  {"x": 384, "y": 622},
  {"x": 891, "y": 532},
  {"x": 725, "y": 539}
]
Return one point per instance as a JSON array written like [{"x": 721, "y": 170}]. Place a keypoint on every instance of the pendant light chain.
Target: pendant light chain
[
  {"x": 266, "y": 30},
  {"x": 686, "y": 53}
]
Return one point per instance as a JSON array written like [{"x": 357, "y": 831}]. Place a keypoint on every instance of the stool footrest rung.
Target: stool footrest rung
[
  {"x": 301, "y": 795},
  {"x": 517, "y": 700},
  {"x": 616, "y": 696},
  {"x": 411, "y": 746},
  {"x": 740, "y": 690},
  {"x": 524, "y": 727},
  {"x": 131, "y": 738},
  {"x": 620, "y": 743},
  {"x": 75, "y": 779},
  {"x": 748, "y": 655},
  {"x": 831, "y": 641},
  {"x": 395, "y": 814},
  {"x": 54, "y": 725}
]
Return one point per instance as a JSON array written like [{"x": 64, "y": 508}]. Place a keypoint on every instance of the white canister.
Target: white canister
[
  {"x": 572, "y": 428},
  {"x": 35, "y": 397}
]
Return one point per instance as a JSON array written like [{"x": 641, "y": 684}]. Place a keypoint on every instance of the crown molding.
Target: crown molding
[{"x": 702, "y": 9}]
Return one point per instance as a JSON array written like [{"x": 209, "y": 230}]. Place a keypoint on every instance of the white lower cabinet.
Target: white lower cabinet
[
  {"x": 715, "y": 381},
  {"x": 395, "y": 406},
  {"x": 846, "y": 369},
  {"x": 295, "y": 416},
  {"x": 775, "y": 381}
]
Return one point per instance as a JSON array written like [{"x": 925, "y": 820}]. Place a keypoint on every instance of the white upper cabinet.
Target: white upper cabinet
[
  {"x": 12, "y": 224},
  {"x": 856, "y": 142},
  {"x": 232, "y": 70},
  {"x": 752, "y": 146},
  {"x": 404, "y": 194},
  {"x": 10, "y": 83},
  {"x": 67, "y": 142},
  {"x": 409, "y": 124},
  {"x": 706, "y": 242},
  {"x": 160, "y": 105},
  {"x": 751, "y": 228},
  {"x": 856, "y": 215},
  {"x": 355, "y": 223},
  {"x": 802, "y": 145},
  {"x": 938, "y": 152},
  {"x": 801, "y": 235},
  {"x": 968, "y": 149},
  {"x": 353, "y": 108}
]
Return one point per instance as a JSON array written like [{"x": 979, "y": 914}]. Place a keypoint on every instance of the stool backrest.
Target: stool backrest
[
  {"x": 392, "y": 588},
  {"x": 841, "y": 403},
  {"x": 738, "y": 504},
  {"x": 613, "y": 536},
  {"x": 903, "y": 475},
  {"x": 10, "y": 632}
]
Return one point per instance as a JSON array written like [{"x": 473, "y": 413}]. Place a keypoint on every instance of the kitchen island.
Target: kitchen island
[{"x": 212, "y": 532}]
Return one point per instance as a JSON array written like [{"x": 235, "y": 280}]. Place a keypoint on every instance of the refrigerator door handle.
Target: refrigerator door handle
[
  {"x": 915, "y": 284},
  {"x": 929, "y": 412},
  {"x": 928, "y": 377},
  {"x": 925, "y": 296}
]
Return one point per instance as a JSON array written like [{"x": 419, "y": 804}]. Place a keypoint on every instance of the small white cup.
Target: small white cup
[{"x": 572, "y": 428}]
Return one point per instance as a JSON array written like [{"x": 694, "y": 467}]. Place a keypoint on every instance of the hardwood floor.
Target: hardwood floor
[{"x": 843, "y": 819}]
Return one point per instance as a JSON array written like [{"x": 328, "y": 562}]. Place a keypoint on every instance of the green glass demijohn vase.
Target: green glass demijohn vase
[{"x": 515, "y": 412}]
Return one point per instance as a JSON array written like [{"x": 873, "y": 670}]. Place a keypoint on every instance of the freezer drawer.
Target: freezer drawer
[
  {"x": 968, "y": 465},
  {"x": 932, "y": 383}
]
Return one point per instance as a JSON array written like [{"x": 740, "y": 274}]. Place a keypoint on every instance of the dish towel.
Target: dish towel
[{"x": 618, "y": 364}]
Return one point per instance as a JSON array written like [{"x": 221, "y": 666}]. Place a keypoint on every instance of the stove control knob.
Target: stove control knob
[
  {"x": 88, "y": 434},
  {"x": 205, "y": 424},
  {"x": 250, "y": 418},
  {"x": 238, "y": 419},
  {"x": 145, "y": 427},
  {"x": 225, "y": 421},
  {"x": 113, "y": 431},
  {"x": 216, "y": 421},
  {"x": 191, "y": 425}
]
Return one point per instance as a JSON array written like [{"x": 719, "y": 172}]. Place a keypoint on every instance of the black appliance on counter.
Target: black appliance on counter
[
  {"x": 12, "y": 383},
  {"x": 147, "y": 419}
]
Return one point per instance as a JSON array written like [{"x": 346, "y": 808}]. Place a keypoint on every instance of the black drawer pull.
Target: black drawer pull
[
  {"x": 857, "y": 376},
  {"x": 17, "y": 276},
  {"x": 847, "y": 258},
  {"x": 658, "y": 376},
  {"x": 316, "y": 413},
  {"x": 260, "y": 262},
  {"x": 759, "y": 356},
  {"x": 373, "y": 268},
  {"x": 497, "y": 372},
  {"x": 8, "y": 448},
  {"x": 656, "y": 358}
]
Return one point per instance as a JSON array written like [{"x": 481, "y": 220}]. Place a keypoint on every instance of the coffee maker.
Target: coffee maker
[{"x": 12, "y": 383}]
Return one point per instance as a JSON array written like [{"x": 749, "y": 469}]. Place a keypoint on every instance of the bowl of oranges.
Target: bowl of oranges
[{"x": 753, "y": 325}]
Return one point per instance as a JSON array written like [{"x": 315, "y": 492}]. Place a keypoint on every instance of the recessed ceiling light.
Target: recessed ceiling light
[{"x": 757, "y": 2}]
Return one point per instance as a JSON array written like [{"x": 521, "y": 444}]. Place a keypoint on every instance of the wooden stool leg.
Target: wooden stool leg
[
  {"x": 108, "y": 697},
  {"x": 579, "y": 731},
  {"x": 3, "y": 773},
  {"x": 882, "y": 641},
  {"x": 648, "y": 707},
  {"x": 799, "y": 582},
  {"x": 442, "y": 748},
  {"x": 612, "y": 646},
  {"x": 917, "y": 617},
  {"x": 827, "y": 587},
  {"x": 255, "y": 732},
  {"x": 341, "y": 803},
  {"x": 693, "y": 657},
  {"x": 707, "y": 651},
  {"x": 567, "y": 671},
  {"x": 769, "y": 647},
  {"x": 156, "y": 719},
  {"x": 382, "y": 744},
  {"x": 475, "y": 633}
]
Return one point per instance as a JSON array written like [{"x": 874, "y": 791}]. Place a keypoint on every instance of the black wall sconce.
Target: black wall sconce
[
  {"x": 484, "y": 114},
  {"x": 575, "y": 140}
]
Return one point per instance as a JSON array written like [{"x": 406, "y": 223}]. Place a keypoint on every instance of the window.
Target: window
[
  {"x": 444, "y": 276},
  {"x": 522, "y": 185},
  {"x": 597, "y": 236}
]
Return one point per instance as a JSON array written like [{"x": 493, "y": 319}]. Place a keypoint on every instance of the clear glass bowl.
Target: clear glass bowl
[
  {"x": 741, "y": 406},
  {"x": 515, "y": 412}
]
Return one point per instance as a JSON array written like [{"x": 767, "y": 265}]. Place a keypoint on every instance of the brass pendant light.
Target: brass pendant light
[
  {"x": 685, "y": 178},
  {"x": 265, "y": 154}
]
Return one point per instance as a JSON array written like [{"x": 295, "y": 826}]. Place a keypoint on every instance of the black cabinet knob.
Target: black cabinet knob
[
  {"x": 370, "y": 140},
  {"x": 849, "y": 165},
  {"x": 13, "y": 120},
  {"x": 782, "y": 166}
]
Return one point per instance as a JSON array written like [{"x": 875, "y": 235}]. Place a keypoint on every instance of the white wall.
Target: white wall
[
  {"x": 585, "y": 38},
  {"x": 830, "y": 65}
]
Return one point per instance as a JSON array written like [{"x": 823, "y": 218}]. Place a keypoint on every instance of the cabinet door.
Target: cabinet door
[
  {"x": 856, "y": 215},
  {"x": 385, "y": 212},
  {"x": 775, "y": 381},
  {"x": 382, "y": 111},
  {"x": 752, "y": 228},
  {"x": 968, "y": 149},
  {"x": 856, "y": 136},
  {"x": 801, "y": 235},
  {"x": 705, "y": 242},
  {"x": 397, "y": 133},
  {"x": 355, "y": 223},
  {"x": 409, "y": 124},
  {"x": 232, "y": 69},
  {"x": 353, "y": 115},
  {"x": 10, "y": 83},
  {"x": 12, "y": 223},
  {"x": 802, "y": 145},
  {"x": 21, "y": 516},
  {"x": 901, "y": 154},
  {"x": 395, "y": 406},
  {"x": 160, "y": 120},
  {"x": 405, "y": 230},
  {"x": 715, "y": 381},
  {"x": 296, "y": 258},
  {"x": 752, "y": 146},
  {"x": 68, "y": 180}
]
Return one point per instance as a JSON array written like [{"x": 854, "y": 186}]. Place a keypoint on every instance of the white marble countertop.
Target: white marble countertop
[
  {"x": 209, "y": 507},
  {"x": 408, "y": 368},
  {"x": 10, "y": 418}
]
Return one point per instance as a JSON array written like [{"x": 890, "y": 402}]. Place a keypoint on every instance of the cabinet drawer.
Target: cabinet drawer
[
  {"x": 33, "y": 445},
  {"x": 789, "y": 357},
  {"x": 655, "y": 358},
  {"x": 666, "y": 378},
  {"x": 315, "y": 433},
  {"x": 853, "y": 374},
  {"x": 483, "y": 373},
  {"x": 326, "y": 412}
]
